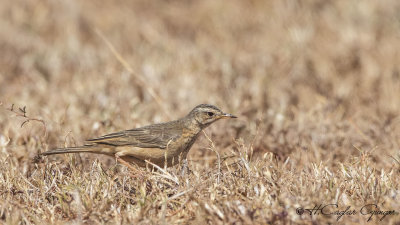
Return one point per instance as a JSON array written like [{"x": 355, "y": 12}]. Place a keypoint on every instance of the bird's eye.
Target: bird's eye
[{"x": 210, "y": 113}]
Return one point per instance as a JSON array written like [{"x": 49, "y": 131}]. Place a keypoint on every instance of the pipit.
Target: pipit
[{"x": 161, "y": 144}]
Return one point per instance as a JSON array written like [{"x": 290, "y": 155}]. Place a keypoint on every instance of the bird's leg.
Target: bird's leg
[
  {"x": 184, "y": 167},
  {"x": 127, "y": 164}
]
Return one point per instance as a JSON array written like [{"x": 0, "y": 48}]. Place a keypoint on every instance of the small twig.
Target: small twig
[
  {"x": 22, "y": 113},
  {"x": 23, "y": 110}
]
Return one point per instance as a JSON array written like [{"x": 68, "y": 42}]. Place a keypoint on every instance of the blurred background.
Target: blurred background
[{"x": 315, "y": 80}]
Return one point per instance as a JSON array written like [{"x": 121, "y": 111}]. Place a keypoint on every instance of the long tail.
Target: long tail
[{"x": 85, "y": 148}]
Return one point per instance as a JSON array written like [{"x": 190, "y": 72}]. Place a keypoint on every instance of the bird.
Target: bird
[{"x": 162, "y": 144}]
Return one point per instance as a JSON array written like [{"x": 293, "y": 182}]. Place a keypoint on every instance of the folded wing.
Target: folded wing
[{"x": 153, "y": 136}]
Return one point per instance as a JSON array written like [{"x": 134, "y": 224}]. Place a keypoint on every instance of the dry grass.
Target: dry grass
[{"x": 315, "y": 83}]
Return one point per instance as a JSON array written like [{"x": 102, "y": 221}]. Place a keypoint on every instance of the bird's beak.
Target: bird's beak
[{"x": 227, "y": 115}]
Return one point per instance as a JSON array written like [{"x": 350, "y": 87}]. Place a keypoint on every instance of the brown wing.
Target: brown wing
[{"x": 152, "y": 136}]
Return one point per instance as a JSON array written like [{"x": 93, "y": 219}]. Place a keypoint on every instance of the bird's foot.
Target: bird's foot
[{"x": 185, "y": 168}]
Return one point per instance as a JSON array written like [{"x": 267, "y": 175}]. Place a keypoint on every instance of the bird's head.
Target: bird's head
[{"x": 206, "y": 114}]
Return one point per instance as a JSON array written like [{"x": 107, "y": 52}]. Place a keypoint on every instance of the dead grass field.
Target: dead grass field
[{"x": 316, "y": 86}]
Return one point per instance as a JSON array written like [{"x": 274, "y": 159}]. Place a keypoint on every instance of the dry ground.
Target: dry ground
[{"x": 315, "y": 84}]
